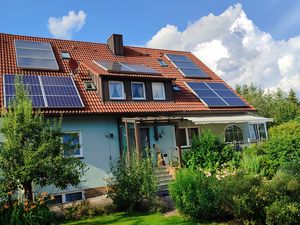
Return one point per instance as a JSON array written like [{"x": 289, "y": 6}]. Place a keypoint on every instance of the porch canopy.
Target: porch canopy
[{"x": 229, "y": 119}]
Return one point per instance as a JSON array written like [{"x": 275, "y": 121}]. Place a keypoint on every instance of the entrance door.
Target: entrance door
[{"x": 145, "y": 141}]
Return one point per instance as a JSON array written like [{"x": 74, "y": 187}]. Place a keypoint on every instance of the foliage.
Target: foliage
[
  {"x": 83, "y": 210},
  {"x": 283, "y": 146},
  {"x": 208, "y": 152},
  {"x": 32, "y": 152},
  {"x": 195, "y": 195},
  {"x": 133, "y": 181},
  {"x": 277, "y": 105},
  {"x": 27, "y": 213},
  {"x": 251, "y": 160}
]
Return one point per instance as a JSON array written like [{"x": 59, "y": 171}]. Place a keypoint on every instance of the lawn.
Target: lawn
[{"x": 138, "y": 219}]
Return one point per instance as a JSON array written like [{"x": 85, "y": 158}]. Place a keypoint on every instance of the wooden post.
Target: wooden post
[
  {"x": 127, "y": 139},
  {"x": 137, "y": 138},
  {"x": 178, "y": 146}
]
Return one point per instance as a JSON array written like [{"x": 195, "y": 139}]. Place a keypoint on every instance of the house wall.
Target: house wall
[{"x": 98, "y": 149}]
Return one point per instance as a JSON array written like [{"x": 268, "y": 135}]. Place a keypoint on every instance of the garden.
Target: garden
[{"x": 219, "y": 183}]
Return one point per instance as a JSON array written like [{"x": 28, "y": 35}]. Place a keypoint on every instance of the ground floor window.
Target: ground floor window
[
  {"x": 68, "y": 197},
  {"x": 257, "y": 131},
  {"x": 233, "y": 134},
  {"x": 186, "y": 135},
  {"x": 73, "y": 138}
]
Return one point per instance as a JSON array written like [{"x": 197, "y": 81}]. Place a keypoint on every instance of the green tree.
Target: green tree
[{"x": 32, "y": 152}]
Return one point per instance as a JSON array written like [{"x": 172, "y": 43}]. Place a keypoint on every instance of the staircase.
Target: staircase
[{"x": 164, "y": 178}]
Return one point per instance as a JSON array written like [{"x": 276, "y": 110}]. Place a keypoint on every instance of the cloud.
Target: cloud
[
  {"x": 237, "y": 50},
  {"x": 65, "y": 26}
]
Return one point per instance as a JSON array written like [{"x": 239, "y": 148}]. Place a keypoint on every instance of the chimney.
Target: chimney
[{"x": 115, "y": 44}]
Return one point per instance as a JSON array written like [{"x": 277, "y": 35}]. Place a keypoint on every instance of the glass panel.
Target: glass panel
[
  {"x": 193, "y": 132},
  {"x": 182, "y": 64},
  {"x": 193, "y": 72},
  {"x": 182, "y": 137},
  {"x": 57, "y": 199},
  {"x": 233, "y": 133},
  {"x": 253, "y": 132},
  {"x": 158, "y": 91},
  {"x": 37, "y": 63},
  {"x": 262, "y": 131},
  {"x": 138, "y": 90},
  {"x": 32, "y": 44},
  {"x": 73, "y": 196},
  {"x": 173, "y": 57},
  {"x": 33, "y": 53},
  {"x": 116, "y": 90},
  {"x": 72, "y": 139}
]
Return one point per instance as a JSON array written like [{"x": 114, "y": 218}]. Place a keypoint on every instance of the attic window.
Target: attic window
[
  {"x": 89, "y": 86},
  {"x": 162, "y": 63},
  {"x": 65, "y": 55}
]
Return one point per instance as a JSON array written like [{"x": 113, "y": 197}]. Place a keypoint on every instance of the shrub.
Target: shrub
[
  {"x": 208, "y": 152},
  {"x": 251, "y": 160},
  {"x": 24, "y": 213},
  {"x": 133, "y": 181},
  {"x": 283, "y": 212},
  {"x": 283, "y": 146},
  {"x": 195, "y": 195}
]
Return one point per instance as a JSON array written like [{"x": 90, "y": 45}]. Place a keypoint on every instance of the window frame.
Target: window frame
[
  {"x": 163, "y": 88},
  {"x": 64, "y": 53},
  {"x": 93, "y": 88},
  {"x": 80, "y": 155},
  {"x": 144, "y": 90},
  {"x": 187, "y": 133},
  {"x": 63, "y": 195},
  {"x": 239, "y": 142},
  {"x": 257, "y": 132},
  {"x": 123, "y": 97}
]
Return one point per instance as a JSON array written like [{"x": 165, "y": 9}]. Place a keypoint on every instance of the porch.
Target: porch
[{"x": 164, "y": 138}]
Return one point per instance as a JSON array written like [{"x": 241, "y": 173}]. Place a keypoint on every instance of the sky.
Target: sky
[{"x": 246, "y": 41}]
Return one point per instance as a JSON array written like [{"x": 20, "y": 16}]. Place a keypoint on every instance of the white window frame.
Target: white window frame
[
  {"x": 188, "y": 144},
  {"x": 144, "y": 91},
  {"x": 63, "y": 196},
  {"x": 233, "y": 124},
  {"x": 257, "y": 138},
  {"x": 163, "y": 87},
  {"x": 80, "y": 142},
  {"x": 122, "y": 91}
]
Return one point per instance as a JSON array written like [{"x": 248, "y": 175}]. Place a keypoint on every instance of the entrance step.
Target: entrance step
[{"x": 164, "y": 178}]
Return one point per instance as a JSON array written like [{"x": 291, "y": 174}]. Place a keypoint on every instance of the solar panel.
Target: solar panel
[
  {"x": 216, "y": 94},
  {"x": 45, "y": 91},
  {"x": 186, "y": 66},
  {"x": 122, "y": 67},
  {"x": 35, "y": 55}
]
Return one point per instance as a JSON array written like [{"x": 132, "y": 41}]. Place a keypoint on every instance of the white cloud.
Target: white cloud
[
  {"x": 65, "y": 26},
  {"x": 237, "y": 50}
]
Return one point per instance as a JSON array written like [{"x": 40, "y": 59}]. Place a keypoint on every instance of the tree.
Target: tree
[
  {"x": 32, "y": 152},
  {"x": 275, "y": 105}
]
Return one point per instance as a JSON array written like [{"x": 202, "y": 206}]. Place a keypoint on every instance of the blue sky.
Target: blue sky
[
  {"x": 250, "y": 41},
  {"x": 140, "y": 20}
]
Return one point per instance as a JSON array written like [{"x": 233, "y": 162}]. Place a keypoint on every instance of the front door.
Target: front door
[{"x": 145, "y": 141}]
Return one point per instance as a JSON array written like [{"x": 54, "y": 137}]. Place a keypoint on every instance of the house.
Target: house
[{"x": 117, "y": 99}]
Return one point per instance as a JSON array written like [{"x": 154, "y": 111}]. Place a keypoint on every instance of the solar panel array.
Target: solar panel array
[
  {"x": 186, "y": 66},
  {"x": 44, "y": 91},
  {"x": 35, "y": 55},
  {"x": 216, "y": 94},
  {"x": 122, "y": 67}
]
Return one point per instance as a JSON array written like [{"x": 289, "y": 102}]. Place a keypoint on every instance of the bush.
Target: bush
[
  {"x": 24, "y": 213},
  {"x": 283, "y": 212},
  {"x": 208, "y": 152},
  {"x": 283, "y": 146},
  {"x": 133, "y": 181},
  {"x": 195, "y": 195},
  {"x": 251, "y": 160}
]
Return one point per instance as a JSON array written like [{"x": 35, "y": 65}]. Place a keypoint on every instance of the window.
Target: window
[
  {"x": 162, "y": 63},
  {"x": 89, "y": 85},
  {"x": 186, "y": 135},
  {"x": 68, "y": 197},
  {"x": 233, "y": 133},
  {"x": 65, "y": 55},
  {"x": 138, "y": 90},
  {"x": 158, "y": 91},
  {"x": 116, "y": 90},
  {"x": 257, "y": 132},
  {"x": 72, "y": 139}
]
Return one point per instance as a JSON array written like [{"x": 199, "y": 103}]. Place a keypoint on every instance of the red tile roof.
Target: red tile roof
[{"x": 85, "y": 52}]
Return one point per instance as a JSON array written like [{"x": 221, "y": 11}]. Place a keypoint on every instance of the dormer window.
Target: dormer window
[
  {"x": 89, "y": 85},
  {"x": 138, "y": 90},
  {"x": 116, "y": 90},
  {"x": 158, "y": 91}
]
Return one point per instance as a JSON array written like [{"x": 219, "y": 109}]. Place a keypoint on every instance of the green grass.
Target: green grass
[{"x": 138, "y": 219}]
